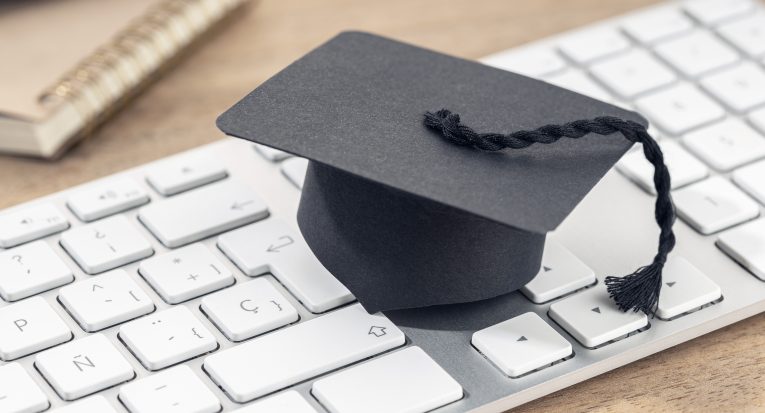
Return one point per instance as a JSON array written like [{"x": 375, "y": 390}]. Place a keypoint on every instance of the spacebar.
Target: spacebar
[{"x": 306, "y": 350}]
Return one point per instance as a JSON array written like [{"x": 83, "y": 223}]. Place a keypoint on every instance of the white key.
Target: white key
[
  {"x": 30, "y": 223},
  {"x": 185, "y": 273},
  {"x": 305, "y": 350},
  {"x": 18, "y": 393},
  {"x": 740, "y": 88},
  {"x": 109, "y": 299},
  {"x": 288, "y": 401},
  {"x": 579, "y": 82},
  {"x": 175, "y": 390},
  {"x": 748, "y": 34},
  {"x": 30, "y": 269},
  {"x": 746, "y": 245},
  {"x": 294, "y": 170},
  {"x": 713, "y": 205},
  {"x": 696, "y": 53},
  {"x": 272, "y": 154},
  {"x": 271, "y": 246},
  {"x": 657, "y": 24},
  {"x": 167, "y": 337},
  {"x": 106, "y": 244},
  {"x": 94, "y": 404},
  {"x": 632, "y": 73},
  {"x": 593, "y": 318},
  {"x": 202, "y": 213},
  {"x": 30, "y": 326},
  {"x": 679, "y": 109},
  {"x": 750, "y": 179},
  {"x": 405, "y": 381},
  {"x": 249, "y": 309},
  {"x": 758, "y": 119},
  {"x": 683, "y": 167},
  {"x": 83, "y": 367},
  {"x": 684, "y": 288},
  {"x": 106, "y": 199},
  {"x": 716, "y": 11},
  {"x": 586, "y": 46},
  {"x": 561, "y": 274},
  {"x": 183, "y": 173},
  {"x": 536, "y": 62},
  {"x": 726, "y": 145},
  {"x": 521, "y": 344}
]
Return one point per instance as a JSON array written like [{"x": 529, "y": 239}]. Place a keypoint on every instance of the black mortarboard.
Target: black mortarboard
[{"x": 400, "y": 216}]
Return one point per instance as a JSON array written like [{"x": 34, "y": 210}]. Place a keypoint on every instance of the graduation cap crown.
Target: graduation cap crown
[{"x": 407, "y": 220}]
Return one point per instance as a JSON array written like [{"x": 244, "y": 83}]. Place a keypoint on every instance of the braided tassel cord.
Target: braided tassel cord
[{"x": 640, "y": 290}]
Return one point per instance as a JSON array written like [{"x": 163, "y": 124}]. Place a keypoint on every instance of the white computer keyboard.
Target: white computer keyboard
[{"x": 184, "y": 285}]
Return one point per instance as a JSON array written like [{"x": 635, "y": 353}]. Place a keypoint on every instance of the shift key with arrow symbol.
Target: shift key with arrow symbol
[{"x": 201, "y": 213}]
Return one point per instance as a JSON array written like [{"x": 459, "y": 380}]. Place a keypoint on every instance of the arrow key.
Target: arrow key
[
  {"x": 685, "y": 289},
  {"x": 561, "y": 273},
  {"x": 521, "y": 344}
]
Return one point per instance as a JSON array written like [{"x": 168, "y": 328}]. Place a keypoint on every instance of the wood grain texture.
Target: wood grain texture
[{"x": 719, "y": 372}]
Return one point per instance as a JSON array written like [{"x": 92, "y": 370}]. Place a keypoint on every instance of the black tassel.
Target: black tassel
[{"x": 640, "y": 290}]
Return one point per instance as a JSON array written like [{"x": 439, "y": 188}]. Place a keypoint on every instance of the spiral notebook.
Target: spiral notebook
[{"x": 65, "y": 65}]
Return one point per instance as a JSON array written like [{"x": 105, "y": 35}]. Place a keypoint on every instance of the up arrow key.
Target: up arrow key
[{"x": 523, "y": 338}]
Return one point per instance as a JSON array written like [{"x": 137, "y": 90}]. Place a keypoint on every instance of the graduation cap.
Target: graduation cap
[{"x": 405, "y": 218}]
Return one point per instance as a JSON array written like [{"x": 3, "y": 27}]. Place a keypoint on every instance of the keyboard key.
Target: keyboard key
[
  {"x": 175, "y": 390},
  {"x": 405, "y": 381},
  {"x": 249, "y": 309},
  {"x": 657, "y": 24},
  {"x": 716, "y": 11},
  {"x": 202, "y": 213},
  {"x": 90, "y": 405},
  {"x": 167, "y": 337},
  {"x": 740, "y": 88},
  {"x": 750, "y": 179},
  {"x": 185, "y": 273},
  {"x": 685, "y": 288},
  {"x": 18, "y": 392},
  {"x": 184, "y": 172},
  {"x": 579, "y": 82},
  {"x": 109, "y": 299},
  {"x": 726, "y": 145},
  {"x": 683, "y": 167},
  {"x": 31, "y": 269},
  {"x": 106, "y": 199},
  {"x": 272, "y": 154},
  {"x": 679, "y": 109},
  {"x": 288, "y": 401},
  {"x": 632, "y": 73},
  {"x": 758, "y": 119},
  {"x": 593, "y": 318},
  {"x": 30, "y": 223},
  {"x": 30, "y": 326},
  {"x": 746, "y": 245},
  {"x": 696, "y": 53},
  {"x": 294, "y": 170},
  {"x": 521, "y": 344},
  {"x": 748, "y": 34},
  {"x": 271, "y": 246},
  {"x": 305, "y": 350},
  {"x": 83, "y": 367},
  {"x": 536, "y": 62},
  {"x": 561, "y": 274},
  {"x": 106, "y": 244},
  {"x": 586, "y": 46},
  {"x": 713, "y": 205}
]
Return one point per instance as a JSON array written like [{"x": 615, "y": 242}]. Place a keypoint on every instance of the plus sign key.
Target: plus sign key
[{"x": 249, "y": 309}]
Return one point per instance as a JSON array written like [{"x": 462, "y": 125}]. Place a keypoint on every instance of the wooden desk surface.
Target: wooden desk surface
[{"x": 721, "y": 371}]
